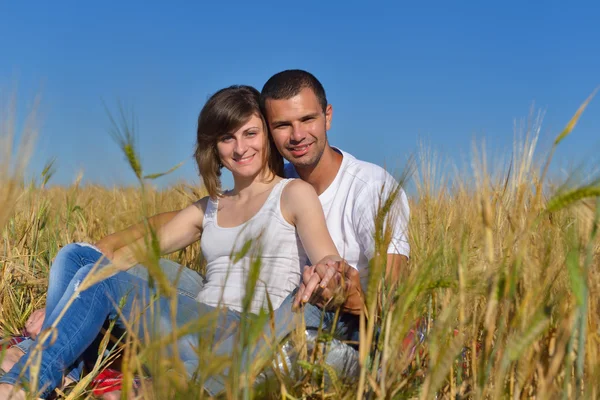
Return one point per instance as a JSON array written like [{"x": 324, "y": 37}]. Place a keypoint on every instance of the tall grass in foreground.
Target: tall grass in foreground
[{"x": 503, "y": 279}]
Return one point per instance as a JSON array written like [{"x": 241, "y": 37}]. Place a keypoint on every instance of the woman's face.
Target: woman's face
[{"x": 243, "y": 151}]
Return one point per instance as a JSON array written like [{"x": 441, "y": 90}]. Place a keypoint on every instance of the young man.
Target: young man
[{"x": 350, "y": 190}]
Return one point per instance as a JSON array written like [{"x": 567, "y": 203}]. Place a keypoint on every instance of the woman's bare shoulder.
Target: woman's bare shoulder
[
  {"x": 202, "y": 204},
  {"x": 298, "y": 187},
  {"x": 297, "y": 197}
]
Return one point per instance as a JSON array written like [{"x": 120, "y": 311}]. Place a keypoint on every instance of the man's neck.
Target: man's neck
[{"x": 323, "y": 174}]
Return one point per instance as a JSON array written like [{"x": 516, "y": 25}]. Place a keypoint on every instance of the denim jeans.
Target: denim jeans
[
  {"x": 285, "y": 321},
  {"x": 83, "y": 319},
  {"x": 74, "y": 256}
]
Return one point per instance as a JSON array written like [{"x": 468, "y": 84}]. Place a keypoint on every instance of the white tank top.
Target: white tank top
[{"x": 273, "y": 239}]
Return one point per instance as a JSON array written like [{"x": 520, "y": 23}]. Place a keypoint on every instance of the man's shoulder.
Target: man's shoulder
[
  {"x": 365, "y": 183},
  {"x": 365, "y": 173}
]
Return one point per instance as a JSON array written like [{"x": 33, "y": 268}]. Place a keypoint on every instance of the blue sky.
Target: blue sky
[{"x": 397, "y": 73}]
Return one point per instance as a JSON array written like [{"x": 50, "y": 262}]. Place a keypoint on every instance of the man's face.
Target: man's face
[{"x": 299, "y": 127}]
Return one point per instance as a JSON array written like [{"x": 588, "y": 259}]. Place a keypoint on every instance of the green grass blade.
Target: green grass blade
[{"x": 571, "y": 125}]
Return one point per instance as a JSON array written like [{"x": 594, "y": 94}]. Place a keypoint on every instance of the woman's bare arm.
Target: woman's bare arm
[
  {"x": 301, "y": 207},
  {"x": 113, "y": 242},
  {"x": 179, "y": 232}
]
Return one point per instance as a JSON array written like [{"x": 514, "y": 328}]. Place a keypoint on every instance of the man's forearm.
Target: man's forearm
[
  {"x": 396, "y": 269},
  {"x": 354, "y": 298},
  {"x": 355, "y": 303},
  {"x": 117, "y": 240}
]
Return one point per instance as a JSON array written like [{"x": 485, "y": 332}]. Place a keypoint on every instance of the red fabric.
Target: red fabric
[
  {"x": 11, "y": 341},
  {"x": 110, "y": 380}
]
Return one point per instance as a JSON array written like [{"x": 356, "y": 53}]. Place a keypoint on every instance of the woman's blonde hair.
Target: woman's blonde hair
[{"x": 225, "y": 112}]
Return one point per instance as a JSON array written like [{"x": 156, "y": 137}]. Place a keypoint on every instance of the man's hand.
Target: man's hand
[{"x": 331, "y": 283}]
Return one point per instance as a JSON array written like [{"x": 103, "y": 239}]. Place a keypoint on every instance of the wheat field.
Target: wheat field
[{"x": 503, "y": 277}]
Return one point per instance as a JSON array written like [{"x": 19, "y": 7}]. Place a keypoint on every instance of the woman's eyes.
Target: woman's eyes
[{"x": 229, "y": 138}]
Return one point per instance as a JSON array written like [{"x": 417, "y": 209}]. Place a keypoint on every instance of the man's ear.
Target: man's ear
[{"x": 328, "y": 115}]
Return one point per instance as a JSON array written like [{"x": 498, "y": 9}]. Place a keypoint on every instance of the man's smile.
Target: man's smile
[{"x": 298, "y": 151}]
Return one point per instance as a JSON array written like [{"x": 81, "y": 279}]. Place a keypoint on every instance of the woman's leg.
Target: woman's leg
[
  {"x": 79, "y": 325},
  {"x": 218, "y": 325},
  {"x": 65, "y": 265},
  {"x": 187, "y": 281},
  {"x": 285, "y": 320},
  {"x": 83, "y": 318}
]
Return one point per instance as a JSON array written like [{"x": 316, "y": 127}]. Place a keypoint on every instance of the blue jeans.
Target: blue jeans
[
  {"x": 285, "y": 321},
  {"x": 83, "y": 319},
  {"x": 74, "y": 256}
]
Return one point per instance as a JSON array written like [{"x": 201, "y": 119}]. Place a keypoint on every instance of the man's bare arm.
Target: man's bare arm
[
  {"x": 396, "y": 269},
  {"x": 329, "y": 274},
  {"x": 111, "y": 243}
]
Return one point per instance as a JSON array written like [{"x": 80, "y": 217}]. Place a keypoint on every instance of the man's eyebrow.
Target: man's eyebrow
[
  {"x": 313, "y": 115},
  {"x": 302, "y": 118}
]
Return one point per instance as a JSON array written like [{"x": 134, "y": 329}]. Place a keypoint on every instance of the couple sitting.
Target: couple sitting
[{"x": 304, "y": 229}]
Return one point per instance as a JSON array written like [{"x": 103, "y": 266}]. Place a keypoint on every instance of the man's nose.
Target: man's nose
[{"x": 298, "y": 133}]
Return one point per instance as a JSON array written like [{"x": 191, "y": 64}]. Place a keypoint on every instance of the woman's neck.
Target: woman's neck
[{"x": 246, "y": 187}]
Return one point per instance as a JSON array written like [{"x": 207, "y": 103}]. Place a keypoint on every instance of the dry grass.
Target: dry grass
[{"x": 504, "y": 272}]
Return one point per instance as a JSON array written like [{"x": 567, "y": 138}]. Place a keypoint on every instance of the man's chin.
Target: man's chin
[
  {"x": 303, "y": 162},
  {"x": 306, "y": 161}
]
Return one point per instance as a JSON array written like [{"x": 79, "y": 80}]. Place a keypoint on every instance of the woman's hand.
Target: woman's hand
[
  {"x": 106, "y": 248},
  {"x": 34, "y": 323},
  {"x": 331, "y": 283}
]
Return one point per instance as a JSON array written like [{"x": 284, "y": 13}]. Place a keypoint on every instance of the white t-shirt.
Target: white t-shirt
[{"x": 350, "y": 204}]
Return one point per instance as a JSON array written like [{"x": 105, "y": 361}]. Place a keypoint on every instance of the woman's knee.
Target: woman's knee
[
  {"x": 67, "y": 261},
  {"x": 71, "y": 258},
  {"x": 82, "y": 273},
  {"x": 66, "y": 252}
]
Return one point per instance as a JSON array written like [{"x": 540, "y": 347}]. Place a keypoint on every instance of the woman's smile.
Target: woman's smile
[{"x": 244, "y": 160}]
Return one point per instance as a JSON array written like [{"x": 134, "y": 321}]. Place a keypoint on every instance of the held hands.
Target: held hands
[{"x": 331, "y": 283}]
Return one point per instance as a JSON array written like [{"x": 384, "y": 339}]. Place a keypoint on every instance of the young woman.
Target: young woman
[{"x": 281, "y": 218}]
